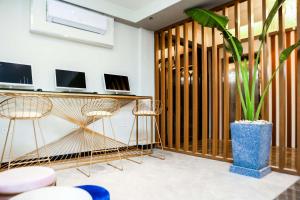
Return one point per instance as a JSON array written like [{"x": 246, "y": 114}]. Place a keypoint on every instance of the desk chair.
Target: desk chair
[
  {"x": 147, "y": 110},
  {"x": 31, "y": 108},
  {"x": 101, "y": 109}
]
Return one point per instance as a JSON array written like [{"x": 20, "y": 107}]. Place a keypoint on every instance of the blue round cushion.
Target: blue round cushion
[{"x": 97, "y": 192}]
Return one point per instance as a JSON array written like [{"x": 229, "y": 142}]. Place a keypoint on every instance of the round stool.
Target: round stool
[
  {"x": 97, "y": 192},
  {"x": 54, "y": 193},
  {"x": 24, "y": 179}
]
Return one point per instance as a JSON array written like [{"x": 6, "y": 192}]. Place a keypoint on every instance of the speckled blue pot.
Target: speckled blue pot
[{"x": 251, "y": 148}]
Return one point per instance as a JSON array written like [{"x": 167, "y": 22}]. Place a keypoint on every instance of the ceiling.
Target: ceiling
[
  {"x": 148, "y": 14},
  {"x": 132, "y": 4},
  {"x": 176, "y": 13}
]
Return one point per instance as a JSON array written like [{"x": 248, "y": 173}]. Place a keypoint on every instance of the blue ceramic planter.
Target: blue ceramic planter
[{"x": 251, "y": 144}]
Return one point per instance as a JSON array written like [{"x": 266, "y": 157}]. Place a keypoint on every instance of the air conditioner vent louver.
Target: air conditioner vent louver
[{"x": 74, "y": 16}]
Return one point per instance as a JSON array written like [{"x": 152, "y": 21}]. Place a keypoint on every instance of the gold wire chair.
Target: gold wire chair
[
  {"x": 99, "y": 109},
  {"x": 25, "y": 108},
  {"x": 147, "y": 109}
]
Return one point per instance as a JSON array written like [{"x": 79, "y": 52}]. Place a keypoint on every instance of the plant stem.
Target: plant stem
[
  {"x": 237, "y": 76},
  {"x": 253, "y": 84},
  {"x": 266, "y": 91}
]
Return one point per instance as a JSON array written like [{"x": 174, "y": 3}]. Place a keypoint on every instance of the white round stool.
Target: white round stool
[
  {"x": 23, "y": 179},
  {"x": 55, "y": 193}
]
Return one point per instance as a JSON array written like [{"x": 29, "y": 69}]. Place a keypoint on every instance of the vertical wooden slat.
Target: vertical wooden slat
[
  {"x": 289, "y": 93},
  {"x": 295, "y": 89},
  {"x": 274, "y": 93},
  {"x": 215, "y": 96},
  {"x": 226, "y": 112},
  {"x": 298, "y": 89},
  {"x": 163, "y": 89},
  {"x": 237, "y": 24},
  {"x": 250, "y": 39},
  {"x": 204, "y": 93},
  {"x": 186, "y": 89},
  {"x": 220, "y": 99},
  {"x": 195, "y": 85},
  {"x": 178, "y": 95},
  {"x": 265, "y": 66},
  {"x": 282, "y": 91},
  {"x": 156, "y": 71},
  {"x": 170, "y": 89}
]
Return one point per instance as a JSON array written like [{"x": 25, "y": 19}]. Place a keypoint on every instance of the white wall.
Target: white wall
[{"x": 132, "y": 55}]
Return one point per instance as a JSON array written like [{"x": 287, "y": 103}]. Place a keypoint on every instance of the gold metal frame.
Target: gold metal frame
[
  {"x": 64, "y": 152},
  {"x": 100, "y": 109},
  {"x": 24, "y": 108}
]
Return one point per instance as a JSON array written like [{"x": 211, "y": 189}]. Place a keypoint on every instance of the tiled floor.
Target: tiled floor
[
  {"x": 179, "y": 177},
  {"x": 292, "y": 193}
]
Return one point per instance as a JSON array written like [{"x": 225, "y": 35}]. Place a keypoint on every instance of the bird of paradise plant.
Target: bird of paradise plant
[{"x": 210, "y": 19}]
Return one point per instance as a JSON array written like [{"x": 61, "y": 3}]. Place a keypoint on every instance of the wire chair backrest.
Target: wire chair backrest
[
  {"x": 25, "y": 107},
  {"x": 147, "y": 107},
  {"x": 98, "y": 107}
]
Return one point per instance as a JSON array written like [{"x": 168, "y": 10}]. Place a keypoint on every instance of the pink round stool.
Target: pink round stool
[
  {"x": 18, "y": 180},
  {"x": 55, "y": 193}
]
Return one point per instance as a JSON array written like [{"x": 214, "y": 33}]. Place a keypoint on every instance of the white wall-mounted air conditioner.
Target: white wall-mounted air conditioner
[{"x": 74, "y": 16}]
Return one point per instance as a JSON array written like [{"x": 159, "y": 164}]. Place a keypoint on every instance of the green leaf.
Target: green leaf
[
  {"x": 286, "y": 53},
  {"x": 229, "y": 44},
  {"x": 267, "y": 23},
  {"x": 208, "y": 18},
  {"x": 283, "y": 57}
]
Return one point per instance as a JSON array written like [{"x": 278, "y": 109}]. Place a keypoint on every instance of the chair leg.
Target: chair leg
[
  {"x": 162, "y": 157},
  {"x": 147, "y": 133},
  {"x": 43, "y": 141},
  {"x": 137, "y": 143},
  {"x": 36, "y": 141},
  {"x": 131, "y": 131},
  {"x": 11, "y": 144},
  {"x": 104, "y": 139},
  {"x": 118, "y": 150},
  {"x": 5, "y": 143}
]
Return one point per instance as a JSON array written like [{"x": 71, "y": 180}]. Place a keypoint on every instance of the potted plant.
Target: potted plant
[{"x": 251, "y": 137}]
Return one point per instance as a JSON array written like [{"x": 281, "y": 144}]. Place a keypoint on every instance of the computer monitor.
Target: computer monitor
[
  {"x": 116, "y": 83},
  {"x": 71, "y": 80},
  {"x": 12, "y": 74}
]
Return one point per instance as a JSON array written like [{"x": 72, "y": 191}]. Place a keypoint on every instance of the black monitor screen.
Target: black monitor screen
[
  {"x": 15, "y": 73},
  {"x": 116, "y": 82},
  {"x": 70, "y": 79}
]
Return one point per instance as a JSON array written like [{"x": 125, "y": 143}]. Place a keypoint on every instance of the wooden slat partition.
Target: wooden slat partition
[
  {"x": 204, "y": 93},
  {"x": 298, "y": 90},
  {"x": 170, "y": 89},
  {"x": 226, "y": 110},
  {"x": 178, "y": 94},
  {"x": 163, "y": 88},
  {"x": 198, "y": 130},
  {"x": 186, "y": 89},
  {"x": 282, "y": 92},
  {"x": 237, "y": 24},
  {"x": 195, "y": 85},
  {"x": 215, "y": 96}
]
